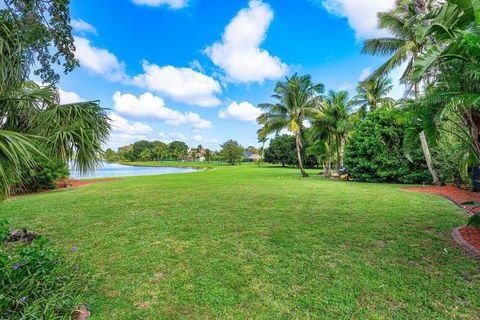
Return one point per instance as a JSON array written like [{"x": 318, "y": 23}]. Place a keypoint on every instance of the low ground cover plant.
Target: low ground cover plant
[{"x": 36, "y": 281}]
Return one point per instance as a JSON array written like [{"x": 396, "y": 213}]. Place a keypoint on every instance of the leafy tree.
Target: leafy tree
[
  {"x": 232, "y": 152},
  {"x": 404, "y": 46},
  {"x": 32, "y": 118},
  {"x": 126, "y": 153},
  {"x": 375, "y": 152},
  {"x": 178, "y": 149},
  {"x": 280, "y": 149},
  {"x": 139, "y": 147},
  {"x": 296, "y": 98},
  {"x": 208, "y": 155},
  {"x": 111, "y": 156},
  {"x": 45, "y": 33},
  {"x": 159, "y": 150},
  {"x": 146, "y": 155}
]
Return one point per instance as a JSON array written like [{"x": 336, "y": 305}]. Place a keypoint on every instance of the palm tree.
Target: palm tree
[
  {"x": 296, "y": 99},
  {"x": 404, "y": 46},
  {"x": 451, "y": 63},
  {"x": 372, "y": 93},
  {"x": 262, "y": 140},
  {"x": 333, "y": 122},
  {"x": 33, "y": 123}
]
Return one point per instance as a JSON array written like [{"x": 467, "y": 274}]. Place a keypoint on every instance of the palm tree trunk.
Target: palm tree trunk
[
  {"x": 474, "y": 120},
  {"x": 342, "y": 150},
  {"x": 298, "y": 144},
  {"x": 328, "y": 168},
  {"x": 338, "y": 155},
  {"x": 426, "y": 148}
]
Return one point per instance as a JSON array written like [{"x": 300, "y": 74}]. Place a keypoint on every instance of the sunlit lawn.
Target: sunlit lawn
[{"x": 247, "y": 242}]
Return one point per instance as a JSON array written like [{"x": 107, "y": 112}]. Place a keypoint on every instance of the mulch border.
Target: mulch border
[{"x": 457, "y": 236}]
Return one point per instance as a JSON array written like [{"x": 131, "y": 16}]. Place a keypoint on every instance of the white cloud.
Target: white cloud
[
  {"x": 169, "y": 137},
  {"x": 67, "y": 97},
  {"x": 99, "y": 61},
  {"x": 149, "y": 106},
  {"x": 346, "y": 86},
  {"x": 239, "y": 53},
  {"x": 181, "y": 84},
  {"x": 243, "y": 112},
  {"x": 174, "y": 4},
  {"x": 365, "y": 74},
  {"x": 361, "y": 14},
  {"x": 82, "y": 26},
  {"x": 122, "y": 125},
  {"x": 197, "y": 138}
]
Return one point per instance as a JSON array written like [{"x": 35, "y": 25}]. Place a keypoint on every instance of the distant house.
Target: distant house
[{"x": 252, "y": 156}]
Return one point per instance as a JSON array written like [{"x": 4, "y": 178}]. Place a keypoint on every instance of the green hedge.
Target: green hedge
[{"x": 375, "y": 152}]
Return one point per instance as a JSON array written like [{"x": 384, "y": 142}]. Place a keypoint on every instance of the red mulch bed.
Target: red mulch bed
[
  {"x": 81, "y": 183},
  {"x": 67, "y": 184},
  {"x": 455, "y": 194},
  {"x": 467, "y": 237},
  {"x": 471, "y": 235}
]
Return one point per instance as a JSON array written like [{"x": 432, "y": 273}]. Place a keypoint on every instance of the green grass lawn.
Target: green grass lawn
[{"x": 246, "y": 242}]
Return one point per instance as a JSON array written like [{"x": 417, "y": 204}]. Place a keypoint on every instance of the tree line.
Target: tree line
[{"x": 432, "y": 134}]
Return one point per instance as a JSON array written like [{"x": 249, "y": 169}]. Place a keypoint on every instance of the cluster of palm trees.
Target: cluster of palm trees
[
  {"x": 437, "y": 43},
  {"x": 302, "y": 103},
  {"x": 33, "y": 124}
]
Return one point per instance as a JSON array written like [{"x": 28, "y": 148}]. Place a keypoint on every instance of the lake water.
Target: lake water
[{"x": 112, "y": 170}]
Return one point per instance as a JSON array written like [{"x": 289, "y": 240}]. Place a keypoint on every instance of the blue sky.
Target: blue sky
[{"x": 194, "y": 70}]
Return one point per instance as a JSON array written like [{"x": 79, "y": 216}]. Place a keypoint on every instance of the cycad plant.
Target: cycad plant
[
  {"x": 33, "y": 123},
  {"x": 297, "y": 97},
  {"x": 404, "y": 22}
]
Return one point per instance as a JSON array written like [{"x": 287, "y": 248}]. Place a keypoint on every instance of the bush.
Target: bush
[
  {"x": 232, "y": 152},
  {"x": 375, "y": 152},
  {"x": 282, "y": 150},
  {"x": 37, "y": 282},
  {"x": 43, "y": 176}
]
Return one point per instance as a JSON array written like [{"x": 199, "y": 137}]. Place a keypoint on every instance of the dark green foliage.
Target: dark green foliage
[
  {"x": 375, "y": 152},
  {"x": 474, "y": 221},
  {"x": 232, "y": 152},
  {"x": 46, "y": 32},
  {"x": 139, "y": 147},
  {"x": 37, "y": 282},
  {"x": 281, "y": 150},
  {"x": 178, "y": 150},
  {"x": 111, "y": 156},
  {"x": 44, "y": 175}
]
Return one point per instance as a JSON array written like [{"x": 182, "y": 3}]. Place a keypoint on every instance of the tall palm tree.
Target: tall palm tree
[
  {"x": 451, "y": 63},
  {"x": 404, "y": 46},
  {"x": 296, "y": 100},
  {"x": 333, "y": 121},
  {"x": 372, "y": 93},
  {"x": 33, "y": 123}
]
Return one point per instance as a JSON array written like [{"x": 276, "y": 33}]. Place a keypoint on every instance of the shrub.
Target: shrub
[
  {"x": 43, "y": 176},
  {"x": 232, "y": 152},
  {"x": 37, "y": 282},
  {"x": 375, "y": 152}
]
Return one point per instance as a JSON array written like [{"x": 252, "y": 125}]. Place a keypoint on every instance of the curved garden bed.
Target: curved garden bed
[{"x": 467, "y": 237}]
